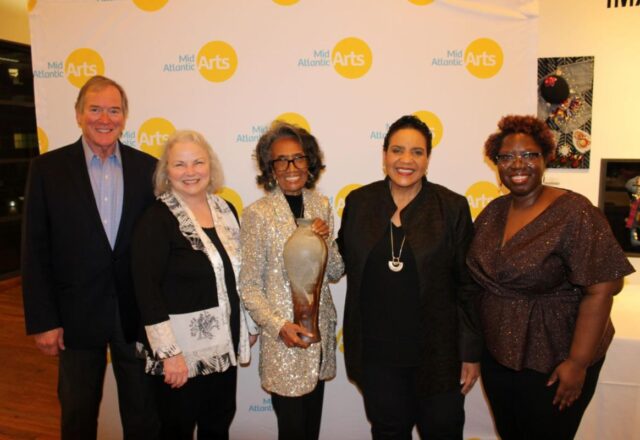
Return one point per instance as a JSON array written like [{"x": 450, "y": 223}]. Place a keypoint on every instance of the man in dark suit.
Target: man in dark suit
[{"x": 82, "y": 202}]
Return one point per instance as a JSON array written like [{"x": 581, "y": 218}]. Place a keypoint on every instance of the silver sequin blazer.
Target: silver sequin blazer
[{"x": 265, "y": 291}]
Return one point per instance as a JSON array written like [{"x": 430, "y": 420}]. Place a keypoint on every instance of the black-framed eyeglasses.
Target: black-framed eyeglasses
[
  {"x": 282, "y": 163},
  {"x": 527, "y": 157}
]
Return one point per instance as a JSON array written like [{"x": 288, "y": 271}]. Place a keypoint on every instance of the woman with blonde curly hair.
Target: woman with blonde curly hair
[{"x": 186, "y": 255}]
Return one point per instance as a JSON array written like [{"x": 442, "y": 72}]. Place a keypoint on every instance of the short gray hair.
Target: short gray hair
[{"x": 160, "y": 177}]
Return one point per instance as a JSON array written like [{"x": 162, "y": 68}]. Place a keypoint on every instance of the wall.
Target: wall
[
  {"x": 14, "y": 21},
  {"x": 612, "y": 35},
  {"x": 566, "y": 28}
]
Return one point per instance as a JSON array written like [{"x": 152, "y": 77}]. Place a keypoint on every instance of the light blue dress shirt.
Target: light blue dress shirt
[{"x": 108, "y": 187}]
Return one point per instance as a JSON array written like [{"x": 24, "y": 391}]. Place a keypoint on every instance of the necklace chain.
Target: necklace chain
[{"x": 395, "y": 264}]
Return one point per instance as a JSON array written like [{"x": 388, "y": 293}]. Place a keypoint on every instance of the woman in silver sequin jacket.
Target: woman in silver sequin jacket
[{"x": 293, "y": 372}]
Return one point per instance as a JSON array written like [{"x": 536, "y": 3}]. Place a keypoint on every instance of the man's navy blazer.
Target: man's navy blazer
[{"x": 70, "y": 275}]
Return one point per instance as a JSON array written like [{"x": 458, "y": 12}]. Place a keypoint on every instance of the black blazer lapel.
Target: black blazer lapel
[{"x": 80, "y": 175}]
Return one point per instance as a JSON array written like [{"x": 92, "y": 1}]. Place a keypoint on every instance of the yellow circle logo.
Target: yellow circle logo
[
  {"x": 342, "y": 195},
  {"x": 351, "y": 58},
  {"x": 286, "y": 2},
  {"x": 217, "y": 61},
  {"x": 232, "y": 197},
  {"x": 483, "y": 58},
  {"x": 421, "y": 2},
  {"x": 82, "y": 64},
  {"x": 434, "y": 123},
  {"x": 31, "y": 4},
  {"x": 295, "y": 119},
  {"x": 339, "y": 342},
  {"x": 152, "y": 135},
  {"x": 479, "y": 195},
  {"x": 43, "y": 141},
  {"x": 150, "y": 5}
]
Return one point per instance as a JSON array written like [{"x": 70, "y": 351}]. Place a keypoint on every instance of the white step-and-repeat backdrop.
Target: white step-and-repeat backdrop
[{"x": 344, "y": 69}]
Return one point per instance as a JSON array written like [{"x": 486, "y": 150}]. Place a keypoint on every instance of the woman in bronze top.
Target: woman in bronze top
[{"x": 549, "y": 267}]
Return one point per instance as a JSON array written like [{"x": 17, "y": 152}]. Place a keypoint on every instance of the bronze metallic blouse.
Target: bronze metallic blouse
[{"x": 533, "y": 283}]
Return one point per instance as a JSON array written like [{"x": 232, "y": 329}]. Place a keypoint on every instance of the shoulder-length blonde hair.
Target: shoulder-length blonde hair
[{"x": 160, "y": 177}]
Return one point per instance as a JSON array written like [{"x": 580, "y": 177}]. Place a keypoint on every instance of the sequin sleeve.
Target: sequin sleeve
[{"x": 252, "y": 279}]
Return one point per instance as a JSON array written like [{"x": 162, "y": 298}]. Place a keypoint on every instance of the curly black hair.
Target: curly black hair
[
  {"x": 283, "y": 130},
  {"x": 409, "y": 121},
  {"x": 511, "y": 124}
]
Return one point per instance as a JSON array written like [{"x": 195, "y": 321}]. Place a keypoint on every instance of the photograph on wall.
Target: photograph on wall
[
  {"x": 620, "y": 201},
  {"x": 565, "y": 100}
]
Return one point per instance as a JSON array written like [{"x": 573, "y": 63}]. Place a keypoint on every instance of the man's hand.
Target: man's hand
[{"x": 50, "y": 342}]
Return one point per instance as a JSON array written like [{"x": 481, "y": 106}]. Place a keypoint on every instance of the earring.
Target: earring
[{"x": 310, "y": 174}]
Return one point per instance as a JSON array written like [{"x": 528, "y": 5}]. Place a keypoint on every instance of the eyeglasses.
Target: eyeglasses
[
  {"x": 528, "y": 157},
  {"x": 282, "y": 163}
]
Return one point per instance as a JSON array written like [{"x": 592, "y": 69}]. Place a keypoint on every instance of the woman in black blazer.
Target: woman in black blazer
[
  {"x": 411, "y": 336},
  {"x": 186, "y": 257}
]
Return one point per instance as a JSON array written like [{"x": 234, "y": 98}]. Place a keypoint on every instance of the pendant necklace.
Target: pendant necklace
[{"x": 395, "y": 264}]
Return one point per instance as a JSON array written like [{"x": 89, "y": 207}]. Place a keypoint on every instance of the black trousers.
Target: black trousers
[
  {"x": 299, "y": 417},
  {"x": 393, "y": 407},
  {"x": 80, "y": 383},
  {"x": 521, "y": 402},
  {"x": 208, "y": 402}
]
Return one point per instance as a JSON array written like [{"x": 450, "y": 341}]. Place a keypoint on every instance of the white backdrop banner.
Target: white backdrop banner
[{"x": 344, "y": 69}]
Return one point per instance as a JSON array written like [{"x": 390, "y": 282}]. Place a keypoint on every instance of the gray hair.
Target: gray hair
[{"x": 161, "y": 182}]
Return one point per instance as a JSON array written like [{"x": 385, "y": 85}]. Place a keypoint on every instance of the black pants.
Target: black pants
[
  {"x": 80, "y": 383},
  {"x": 299, "y": 417},
  {"x": 521, "y": 402},
  {"x": 208, "y": 402},
  {"x": 394, "y": 408}
]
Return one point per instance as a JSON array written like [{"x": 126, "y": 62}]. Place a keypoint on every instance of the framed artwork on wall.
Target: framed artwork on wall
[
  {"x": 565, "y": 101},
  {"x": 620, "y": 201}
]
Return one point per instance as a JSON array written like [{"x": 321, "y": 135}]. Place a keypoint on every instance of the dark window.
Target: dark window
[{"x": 18, "y": 145}]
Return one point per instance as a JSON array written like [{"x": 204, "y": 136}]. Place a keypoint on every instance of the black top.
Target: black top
[
  {"x": 230, "y": 282},
  {"x": 439, "y": 230},
  {"x": 296, "y": 204},
  {"x": 389, "y": 303}
]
